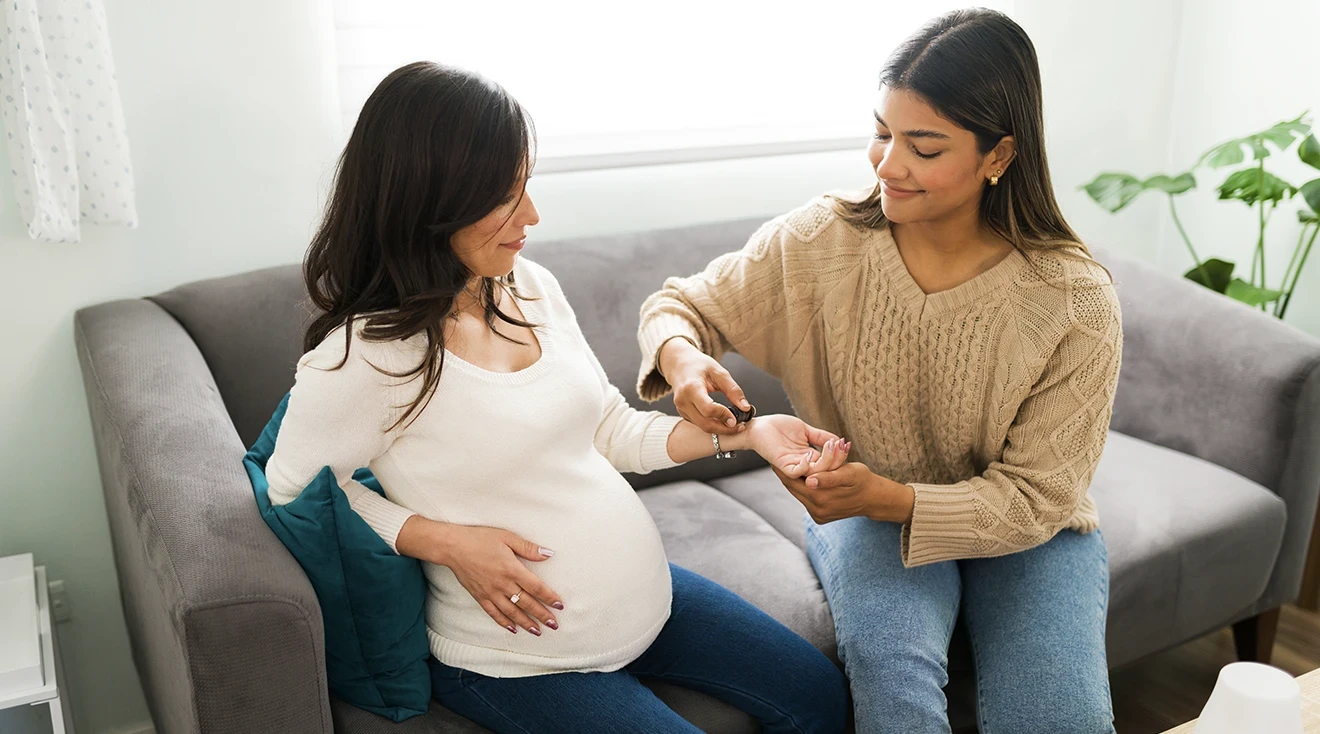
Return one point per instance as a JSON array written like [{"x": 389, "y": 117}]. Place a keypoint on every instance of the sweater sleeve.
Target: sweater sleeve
[
  {"x": 1052, "y": 449},
  {"x": 339, "y": 418},
  {"x": 634, "y": 441},
  {"x": 740, "y": 303}
]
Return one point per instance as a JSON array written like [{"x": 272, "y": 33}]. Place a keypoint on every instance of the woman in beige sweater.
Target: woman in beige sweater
[{"x": 954, "y": 327}]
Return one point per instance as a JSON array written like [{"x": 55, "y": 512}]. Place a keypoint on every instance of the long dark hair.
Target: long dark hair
[
  {"x": 435, "y": 149},
  {"x": 978, "y": 69}
]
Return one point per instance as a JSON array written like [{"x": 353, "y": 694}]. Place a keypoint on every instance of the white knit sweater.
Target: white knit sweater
[{"x": 537, "y": 452}]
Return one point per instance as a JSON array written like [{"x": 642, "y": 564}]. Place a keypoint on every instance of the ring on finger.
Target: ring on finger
[{"x": 516, "y": 597}]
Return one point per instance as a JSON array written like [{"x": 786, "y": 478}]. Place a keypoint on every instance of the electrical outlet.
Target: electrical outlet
[{"x": 59, "y": 602}]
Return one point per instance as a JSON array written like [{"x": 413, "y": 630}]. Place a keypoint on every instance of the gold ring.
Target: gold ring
[{"x": 515, "y": 597}]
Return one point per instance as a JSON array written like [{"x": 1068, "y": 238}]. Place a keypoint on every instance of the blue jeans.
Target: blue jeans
[
  {"x": 714, "y": 642},
  {"x": 1036, "y": 620}
]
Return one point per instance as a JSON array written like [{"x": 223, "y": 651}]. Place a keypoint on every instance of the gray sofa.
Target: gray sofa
[{"x": 1207, "y": 489}]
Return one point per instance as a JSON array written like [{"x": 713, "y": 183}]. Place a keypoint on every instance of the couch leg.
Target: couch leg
[{"x": 1254, "y": 637}]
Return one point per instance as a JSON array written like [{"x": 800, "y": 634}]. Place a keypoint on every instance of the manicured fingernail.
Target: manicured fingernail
[
  {"x": 811, "y": 482},
  {"x": 547, "y": 552},
  {"x": 552, "y": 624},
  {"x": 512, "y": 630},
  {"x": 558, "y": 605},
  {"x": 742, "y": 427},
  {"x": 534, "y": 631},
  {"x": 731, "y": 423},
  {"x": 746, "y": 405}
]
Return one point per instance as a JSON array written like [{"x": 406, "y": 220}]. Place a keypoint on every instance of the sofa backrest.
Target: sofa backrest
[
  {"x": 249, "y": 326},
  {"x": 1201, "y": 374}
]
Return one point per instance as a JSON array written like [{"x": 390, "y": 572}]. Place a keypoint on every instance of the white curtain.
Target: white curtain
[{"x": 62, "y": 118}]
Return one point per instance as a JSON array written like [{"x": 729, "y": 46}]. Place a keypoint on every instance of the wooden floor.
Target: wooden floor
[{"x": 1170, "y": 688}]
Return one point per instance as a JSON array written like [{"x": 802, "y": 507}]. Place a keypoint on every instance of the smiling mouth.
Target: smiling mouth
[{"x": 899, "y": 193}]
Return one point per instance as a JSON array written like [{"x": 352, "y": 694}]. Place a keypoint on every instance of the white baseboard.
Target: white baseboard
[{"x": 141, "y": 727}]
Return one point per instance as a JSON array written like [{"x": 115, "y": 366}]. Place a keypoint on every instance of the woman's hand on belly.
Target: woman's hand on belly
[{"x": 485, "y": 561}]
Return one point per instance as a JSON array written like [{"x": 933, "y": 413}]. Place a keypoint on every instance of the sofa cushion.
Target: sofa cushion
[
  {"x": 372, "y": 599},
  {"x": 1191, "y": 544},
  {"x": 762, "y": 492},
  {"x": 710, "y": 533}
]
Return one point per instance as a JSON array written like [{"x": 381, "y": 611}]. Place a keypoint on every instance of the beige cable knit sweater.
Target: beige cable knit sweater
[{"x": 992, "y": 399}]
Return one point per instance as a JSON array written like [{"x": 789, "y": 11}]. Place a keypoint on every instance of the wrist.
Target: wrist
[
  {"x": 437, "y": 541},
  {"x": 890, "y": 501},
  {"x": 740, "y": 441},
  {"x": 670, "y": 352}
]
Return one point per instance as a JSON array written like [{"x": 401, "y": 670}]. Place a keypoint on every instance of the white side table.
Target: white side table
[{"x": 49, "y": 694}]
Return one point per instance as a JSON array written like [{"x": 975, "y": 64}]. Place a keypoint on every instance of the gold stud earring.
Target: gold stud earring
[{"x": 994, "y": 180}]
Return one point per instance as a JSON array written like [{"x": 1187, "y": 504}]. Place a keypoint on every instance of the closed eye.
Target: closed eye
[{"x": 886, "y": 137}]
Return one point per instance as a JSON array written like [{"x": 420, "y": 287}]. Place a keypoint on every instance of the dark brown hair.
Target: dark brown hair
[
  {"x": 978, "y": 69},
  {"x": 435, "y": 149}
]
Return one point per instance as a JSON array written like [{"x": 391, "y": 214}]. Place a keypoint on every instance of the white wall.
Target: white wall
[
  {"x": 1106, "y": 108},
  {"x": 1242, "y": 67},
  {"x": 233, "y": 122}
]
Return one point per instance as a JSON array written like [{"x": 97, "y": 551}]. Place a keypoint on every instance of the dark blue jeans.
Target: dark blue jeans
[{"x": 714, "y": 642}]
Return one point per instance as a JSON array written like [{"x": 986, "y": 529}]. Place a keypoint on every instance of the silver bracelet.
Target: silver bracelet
[{"x": 715, "y": 439}]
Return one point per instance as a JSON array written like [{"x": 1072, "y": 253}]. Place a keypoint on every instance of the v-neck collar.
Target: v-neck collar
[{"x": 989, "y": 283}]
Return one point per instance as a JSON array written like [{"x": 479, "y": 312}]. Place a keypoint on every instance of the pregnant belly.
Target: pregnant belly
[{"x": 609, "y": 569}]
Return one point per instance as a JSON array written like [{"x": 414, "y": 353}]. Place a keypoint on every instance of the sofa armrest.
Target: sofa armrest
[
  {"x": 226, "y": 631},
  {"x": 1210, "y": 377}
]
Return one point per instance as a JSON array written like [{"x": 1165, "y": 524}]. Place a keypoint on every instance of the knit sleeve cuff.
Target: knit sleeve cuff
[
  {"x": 385, "y": 517},
  {"x": 655, "y": 444},
  {"x": 943, "y": 526},
  {"x": 662, "y": 327}
]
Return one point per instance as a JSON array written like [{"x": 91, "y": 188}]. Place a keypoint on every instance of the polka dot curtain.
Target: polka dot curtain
[{"x": 62, "y": 119}]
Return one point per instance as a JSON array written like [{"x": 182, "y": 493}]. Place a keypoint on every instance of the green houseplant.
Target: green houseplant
[{"x": 1250, "y": 184}]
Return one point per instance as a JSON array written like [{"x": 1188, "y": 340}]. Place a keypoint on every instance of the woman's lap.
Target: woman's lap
[
  {"x": 1036, "y": 620},
  {"x": 714, "y": 642}
]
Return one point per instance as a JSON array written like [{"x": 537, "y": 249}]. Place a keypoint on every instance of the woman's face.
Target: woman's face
[
  {"x": 490, "y": 247},
  {"x": 928, "y": 167}
]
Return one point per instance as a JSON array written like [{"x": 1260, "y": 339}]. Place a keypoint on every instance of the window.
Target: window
[{"x": 612, "y": 83}]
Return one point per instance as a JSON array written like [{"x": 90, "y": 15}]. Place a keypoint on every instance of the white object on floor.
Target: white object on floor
[
  {"x": 20, "y": 636},
  {"x": 1251, "y": 697},
  {"x": 19, "y": 598}
]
